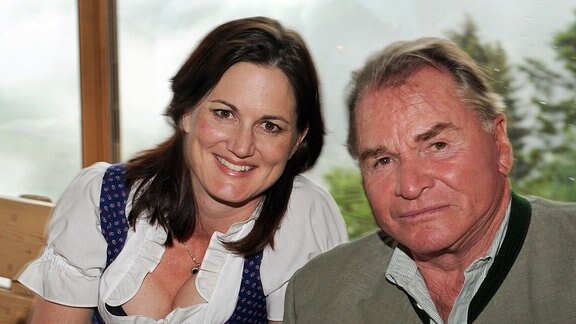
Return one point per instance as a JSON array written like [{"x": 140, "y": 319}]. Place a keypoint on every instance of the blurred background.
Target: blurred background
[{"x": 528, "y": 47}]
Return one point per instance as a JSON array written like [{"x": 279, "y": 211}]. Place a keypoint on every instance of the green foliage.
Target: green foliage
[
  {"x": 490, "y": 56},
  {"x": 493, "y": 60},
  {"x": 554, "y": 161},
  {"x": 565, "y": 45},
  {"x": 557, "y": 179},
  {"x": 346, "y": 188},
  {"x": 555, "y": 176},
  {"x": 546, "y": 168}
]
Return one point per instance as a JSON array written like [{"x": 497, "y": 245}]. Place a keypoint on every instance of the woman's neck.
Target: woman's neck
[{"x": 216, "y": 216}]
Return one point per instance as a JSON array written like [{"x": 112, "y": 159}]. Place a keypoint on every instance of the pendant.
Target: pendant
[{"x": 195, "y": 270}]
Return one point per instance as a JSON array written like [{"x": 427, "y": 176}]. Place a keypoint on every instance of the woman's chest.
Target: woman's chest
[{"x": 169, "y": 286}]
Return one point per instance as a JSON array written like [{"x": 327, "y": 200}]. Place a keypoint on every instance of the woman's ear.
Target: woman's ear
[
  {"x": 301, "y": 137},
  {"x": 185, "y": 122}
]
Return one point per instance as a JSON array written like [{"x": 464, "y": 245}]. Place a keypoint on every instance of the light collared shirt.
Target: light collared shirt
[{"x": 404, "y": 273}]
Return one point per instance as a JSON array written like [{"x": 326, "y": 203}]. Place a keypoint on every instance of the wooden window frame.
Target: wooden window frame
[{"x": 99, "y": 81}]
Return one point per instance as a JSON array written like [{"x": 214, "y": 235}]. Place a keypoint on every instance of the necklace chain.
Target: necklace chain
[{"x": 197, "y": 264}]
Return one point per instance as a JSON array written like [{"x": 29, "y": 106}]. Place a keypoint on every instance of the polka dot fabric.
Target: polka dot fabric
[
  {"x": 251, "y": 304},
  {"x": 113, "y": 222}
]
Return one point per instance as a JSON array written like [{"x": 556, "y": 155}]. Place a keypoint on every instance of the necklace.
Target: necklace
[{"x": 197, "y": 264}]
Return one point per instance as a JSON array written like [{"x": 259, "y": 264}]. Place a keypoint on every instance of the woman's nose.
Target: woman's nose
[{"x": 241, "y": 142}]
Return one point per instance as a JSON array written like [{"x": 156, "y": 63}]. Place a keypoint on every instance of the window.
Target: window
[
  {"x": 40, "y": 132},
  {"x": 155, "y": 37},
  {"x": 39, "y": 97}
]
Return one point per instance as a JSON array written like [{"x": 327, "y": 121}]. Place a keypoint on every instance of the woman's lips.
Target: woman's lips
[{"x": 233, "y": 166}]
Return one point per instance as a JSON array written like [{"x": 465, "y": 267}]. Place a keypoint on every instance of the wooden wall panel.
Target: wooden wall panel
[{"x": 99, "y": 81}]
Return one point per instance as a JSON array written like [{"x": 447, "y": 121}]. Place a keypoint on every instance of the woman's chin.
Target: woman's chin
[{"x": 235, "y": 198}]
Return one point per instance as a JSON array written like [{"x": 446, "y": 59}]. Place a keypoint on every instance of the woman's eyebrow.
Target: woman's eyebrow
[{"x": 226, "y": 103}]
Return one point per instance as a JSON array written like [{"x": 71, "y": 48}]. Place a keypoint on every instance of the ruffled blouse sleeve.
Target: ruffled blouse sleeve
[
  {"x": 313, "y": 224},
  {"x": 69, "y": 269}
]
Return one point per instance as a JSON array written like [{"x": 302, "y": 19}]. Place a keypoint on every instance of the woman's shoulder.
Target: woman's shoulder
[
  {"x": 311, "y": 203},
  {"x": 94, "y": 171},
  {"x": 87, "y": 182},
  {"x": 75, "y": 252},
  {"x": 307, "y": 189}
]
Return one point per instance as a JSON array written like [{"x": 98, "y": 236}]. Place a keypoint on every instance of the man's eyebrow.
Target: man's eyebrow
[
  {"x": 367, "y": 154},
  {"x": 434, "y": 131}
]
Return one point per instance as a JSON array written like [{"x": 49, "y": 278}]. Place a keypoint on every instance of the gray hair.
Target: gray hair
[{"x": 400, "y": 60}]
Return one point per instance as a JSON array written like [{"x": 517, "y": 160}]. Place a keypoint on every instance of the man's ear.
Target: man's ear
[{"x": 505, "y": 154}]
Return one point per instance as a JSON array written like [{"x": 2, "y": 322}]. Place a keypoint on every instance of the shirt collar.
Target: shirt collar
[{"x": 403, "y": 271}]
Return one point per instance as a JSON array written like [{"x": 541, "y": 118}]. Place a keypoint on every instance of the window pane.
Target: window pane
[
  {"x": 39, "y": 97},
  {"x": 157, "y": 35}
]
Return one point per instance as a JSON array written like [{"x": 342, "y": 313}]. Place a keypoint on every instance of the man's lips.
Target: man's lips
[{"x": 420, "y": 212}]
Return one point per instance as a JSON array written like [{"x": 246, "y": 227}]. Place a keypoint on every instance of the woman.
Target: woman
[{"x": 219, "y": 216}]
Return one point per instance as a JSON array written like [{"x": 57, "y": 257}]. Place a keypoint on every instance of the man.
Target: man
[{"x": 457, "y": 245}]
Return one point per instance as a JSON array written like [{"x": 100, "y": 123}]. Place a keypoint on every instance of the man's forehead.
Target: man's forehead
[
  {"x": 409, "y": 94},
  {"x": 404, "y": 95}
]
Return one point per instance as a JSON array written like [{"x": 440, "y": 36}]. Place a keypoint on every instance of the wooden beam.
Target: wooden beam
[{"x": 99, "y": 81}]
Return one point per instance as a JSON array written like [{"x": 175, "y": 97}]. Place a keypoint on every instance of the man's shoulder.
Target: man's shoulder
[
  {"x": 333, "y": 287},
  {"x": 552, "y": 220},
  {"x": 550, "y": 207},
  {"x": 372, "y": 249}
]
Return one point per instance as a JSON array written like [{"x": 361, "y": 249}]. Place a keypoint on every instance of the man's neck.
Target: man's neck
[
  {"x": 443, "y": 272},
  {"x": 444, "y": 288}
]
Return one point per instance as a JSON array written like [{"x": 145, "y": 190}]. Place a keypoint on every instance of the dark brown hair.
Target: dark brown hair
[
  {"x": 400, "y": 60},
  {"x": 160, "y": 178}
]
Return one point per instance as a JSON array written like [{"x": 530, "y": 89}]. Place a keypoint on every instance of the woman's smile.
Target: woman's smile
[{"x": 233, "y": 166}]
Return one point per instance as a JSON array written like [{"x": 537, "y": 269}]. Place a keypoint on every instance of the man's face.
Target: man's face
[{"x": 436, "y": 179}]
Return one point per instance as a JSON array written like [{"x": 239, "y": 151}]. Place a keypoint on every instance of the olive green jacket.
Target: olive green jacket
[{"x": 537, "y": 263}]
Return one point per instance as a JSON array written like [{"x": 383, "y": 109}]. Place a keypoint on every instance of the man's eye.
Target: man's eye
[
  {"x": 439, "y": 146},
  {"x": 382, "y": 161}
]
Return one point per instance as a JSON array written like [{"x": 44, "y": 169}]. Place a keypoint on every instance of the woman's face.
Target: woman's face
[{"x": 240, "y": 137}]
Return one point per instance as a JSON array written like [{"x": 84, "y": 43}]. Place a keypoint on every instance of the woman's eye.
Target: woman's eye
[
  {"x": 270, "y": 127},
  {"x": 225, "y": 114}
]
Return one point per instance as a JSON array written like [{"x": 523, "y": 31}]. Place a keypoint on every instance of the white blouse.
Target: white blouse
[{"x": 70, "y": 270}]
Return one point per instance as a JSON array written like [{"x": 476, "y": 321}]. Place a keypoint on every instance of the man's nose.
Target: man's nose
[{"x": 413, "y": 178}]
